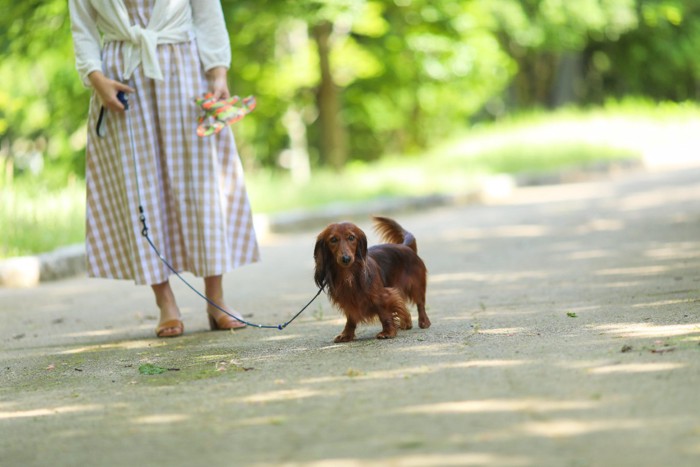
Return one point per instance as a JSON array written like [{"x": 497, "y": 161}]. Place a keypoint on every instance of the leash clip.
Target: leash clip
[{"x": 142, "y": 218}]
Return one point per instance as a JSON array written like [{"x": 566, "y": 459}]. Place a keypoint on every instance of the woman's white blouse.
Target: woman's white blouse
[{"x": 172, "y": 21}]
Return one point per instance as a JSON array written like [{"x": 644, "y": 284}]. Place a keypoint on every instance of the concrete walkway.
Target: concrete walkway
[{"x": 565, "y": 332}]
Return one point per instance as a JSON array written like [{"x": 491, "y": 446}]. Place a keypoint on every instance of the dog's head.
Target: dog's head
[{"x": 338, "y": 245}]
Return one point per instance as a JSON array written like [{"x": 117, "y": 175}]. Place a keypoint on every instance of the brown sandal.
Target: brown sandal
[
  {"x": 224, "y": 323},
  {"x": 176, "y": 324}
]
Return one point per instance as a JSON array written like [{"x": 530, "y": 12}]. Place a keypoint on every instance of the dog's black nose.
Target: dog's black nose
[{"x": 345, "y": 259}]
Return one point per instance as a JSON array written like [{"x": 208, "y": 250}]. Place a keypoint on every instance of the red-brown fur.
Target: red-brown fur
[{"x": 367, "y": 284}]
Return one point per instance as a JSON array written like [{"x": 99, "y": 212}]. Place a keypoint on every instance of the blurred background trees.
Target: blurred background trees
[{"x": 352, "y": 80}]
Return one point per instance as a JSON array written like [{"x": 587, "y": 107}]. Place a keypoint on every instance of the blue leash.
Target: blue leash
[{"x": 123, "y": 98}]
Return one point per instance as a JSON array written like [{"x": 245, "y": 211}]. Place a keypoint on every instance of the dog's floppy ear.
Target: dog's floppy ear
[
  {"x": 321, "y": 255},
  {"x": 361, "y": 248}
]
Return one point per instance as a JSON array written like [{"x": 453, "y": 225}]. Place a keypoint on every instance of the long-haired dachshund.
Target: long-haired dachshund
[{"x": 367, "y": 284}]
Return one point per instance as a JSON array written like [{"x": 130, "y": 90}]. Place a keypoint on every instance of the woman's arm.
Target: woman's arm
[
  {"x": 213, "y": 43},
  {"x": 86, "y": 38}
]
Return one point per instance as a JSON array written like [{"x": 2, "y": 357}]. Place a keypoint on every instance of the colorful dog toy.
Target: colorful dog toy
[{"x": 217, "y": 114}]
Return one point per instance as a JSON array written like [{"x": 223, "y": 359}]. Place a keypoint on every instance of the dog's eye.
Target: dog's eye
[
  {"x": 334, "y": 240},
  {"x": 351, "y": 237}
]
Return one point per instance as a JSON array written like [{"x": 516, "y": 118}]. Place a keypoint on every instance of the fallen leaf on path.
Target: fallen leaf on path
[{"x": 353, "y": 372}]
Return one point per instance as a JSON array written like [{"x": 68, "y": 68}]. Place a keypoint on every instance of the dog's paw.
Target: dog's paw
[
  {"x": 403, "y": 324},
  {"x": 424, "y": 323},
  {"x": 343, "y": 338},
  {"x": 386, "y": 335}
]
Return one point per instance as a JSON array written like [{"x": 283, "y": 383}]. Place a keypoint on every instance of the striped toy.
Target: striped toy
[{"x": 217, "y": 114}]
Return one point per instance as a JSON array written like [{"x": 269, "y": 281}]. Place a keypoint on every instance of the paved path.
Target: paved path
[{"x": 565, "y": 332}]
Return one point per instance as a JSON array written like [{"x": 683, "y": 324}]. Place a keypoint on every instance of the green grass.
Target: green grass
[
  {"x": 534, "y": 142},
  {"x": 432, "y": 173},
  {"x": 37, "y": 220}
]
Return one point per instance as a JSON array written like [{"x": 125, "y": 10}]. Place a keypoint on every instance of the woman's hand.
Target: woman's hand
[
  {"x": 107, "y": 89},
  {"x": 218, "y": 84}
]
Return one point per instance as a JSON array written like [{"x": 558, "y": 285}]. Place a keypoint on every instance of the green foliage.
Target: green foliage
[
  {"x": 42, "y": 103},
  {"x": 659, "y": 58},
  {"x": 437, "y": 70},
  {"x": 527, "y": 143},
  {"x": 35, "y": 219},
  {"x": 408, "y": 74}
]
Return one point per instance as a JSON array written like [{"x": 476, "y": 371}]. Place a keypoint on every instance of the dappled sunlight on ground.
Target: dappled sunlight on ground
[
  {"x": 404, "y": 372},
  {"x": 502, "y": 405},
  {"x": 509, "y": 231},
  {"x": 418, "y": 460},
  {"x": 161, "y": 419},
  {"x": 631, "y": 368},
  {"x": 284, "y": 395},
  {"x": 648, "y": 329},
  {"x": 633, "y": 271},
  {"x": 503, "y": 331},
  {"x": 662, "y": 303},
  {"x": 620, "y": 284},
  {"x": 599, "y": 225},
  {"x": 49, "y": 411},
  {"x": 564, "y": 428},
  {"x": 281, "y": 338},
  {"x": 651, "y": 198},
  {"x": 125, "y": 345},
  {"x": 588, "y": 254},
  {"x": 106, "y": 332},
  {"x": 513, "y": 276},
  {"x": 446, "y": 292},
  {"x": 455, "y": 277},
  {"x": 464, "y": 317},
  {"x": 682, "y": 250}
]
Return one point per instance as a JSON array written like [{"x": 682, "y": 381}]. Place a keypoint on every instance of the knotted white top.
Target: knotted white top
[{"x": 172, "y": 21}]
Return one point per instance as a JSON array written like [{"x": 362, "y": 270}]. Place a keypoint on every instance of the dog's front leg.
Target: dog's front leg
[
  {"x": 388, "y": 327},
  {"x": 348, "y": 333}
]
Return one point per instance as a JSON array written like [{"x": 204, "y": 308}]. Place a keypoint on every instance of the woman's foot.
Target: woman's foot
[
  {"x": 218, "y": 320},
  {"x": 170, "y": 324},
  {"x": 170, "y": 328}
]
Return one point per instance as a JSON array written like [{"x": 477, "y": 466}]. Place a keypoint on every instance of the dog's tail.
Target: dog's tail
[{"x": 391, "y": 232}]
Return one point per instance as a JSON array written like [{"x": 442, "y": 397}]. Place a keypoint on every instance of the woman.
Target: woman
[{"x": 163, "y": 54}]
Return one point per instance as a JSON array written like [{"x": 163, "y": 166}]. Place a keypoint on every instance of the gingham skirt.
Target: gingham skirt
[{"x": 191, "y": 189}]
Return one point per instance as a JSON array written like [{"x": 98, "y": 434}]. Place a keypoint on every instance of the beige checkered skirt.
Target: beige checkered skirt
[{"x": 192, "y": 189}]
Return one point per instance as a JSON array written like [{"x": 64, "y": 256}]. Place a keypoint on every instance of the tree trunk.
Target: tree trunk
[
  {"x": 333, "y": 149},
  {"x": 296, "y": 158},
  {"x": 567, "y": 80}
]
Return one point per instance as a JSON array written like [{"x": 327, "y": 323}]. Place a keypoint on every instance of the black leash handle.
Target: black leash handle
[{"x": 123, "y": 98}]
